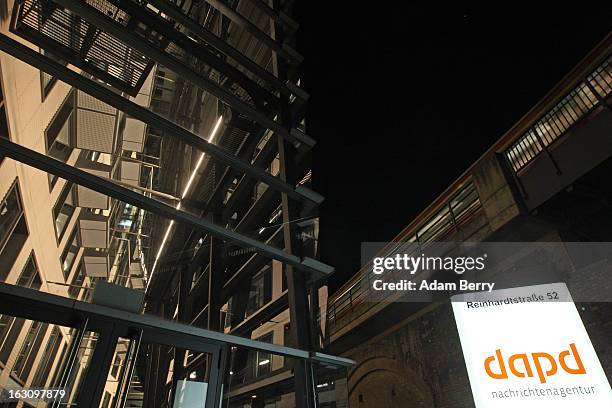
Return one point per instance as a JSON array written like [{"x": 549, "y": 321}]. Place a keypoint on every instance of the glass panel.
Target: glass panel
[
  {"x": 30, "y": 277},
  {"x": 47, "y": 81},
  {"x": 260, "y": 292},
  {"x": 82, "y": 363},
  {"x": 117, "y": 371},
  {"x": 263, "y": 360},
  {"x": 29, "y": 349},
  {"x": 77, "y": 282},
  {"x": 63, "y": 210},
  {"x": 59, "y": 134},
  {"x": 49, "y": 356},
  {"x": 70, "y": 253},
  {"x": 10, "y": 329},
  {"x": 10, "y": 212},
  {"x": 331, "y": 386}
]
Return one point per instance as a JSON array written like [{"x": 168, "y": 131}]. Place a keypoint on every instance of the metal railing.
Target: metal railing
[
  {"x": 577, "y": 104},
  {"x": 448, "y": 220}
]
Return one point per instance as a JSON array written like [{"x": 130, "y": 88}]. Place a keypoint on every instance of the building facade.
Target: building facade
[{"x": 184, "y": 195}]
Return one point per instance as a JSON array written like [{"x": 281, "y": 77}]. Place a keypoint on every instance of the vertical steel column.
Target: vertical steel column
[
  {"x": 299, "y": 313},
  {"x": 159, "y": 365},
  {"x": 216, "y": 260},
  {"x": 184, "y": 316},
  {"x": 90, "y": 392},
  {"x": 216, "y": 374},
  {"x": 300, "y": 328}
]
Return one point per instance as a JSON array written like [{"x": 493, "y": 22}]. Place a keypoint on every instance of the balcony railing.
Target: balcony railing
[{"x": 577, "y": 104}]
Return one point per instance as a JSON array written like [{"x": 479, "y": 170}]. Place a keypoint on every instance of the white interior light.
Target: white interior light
[
  {"x": 185, "y": 191},
  {"x": 199, "y": 163}
]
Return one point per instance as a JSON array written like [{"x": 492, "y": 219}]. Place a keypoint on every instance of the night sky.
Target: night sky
[{"x": 403, "y": 100}]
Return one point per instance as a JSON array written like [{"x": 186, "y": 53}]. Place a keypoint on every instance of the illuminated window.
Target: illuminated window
[{"x": 263, "y": 359}]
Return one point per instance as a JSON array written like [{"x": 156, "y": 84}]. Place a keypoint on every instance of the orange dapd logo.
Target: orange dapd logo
[{"x": 550, "y": 367}]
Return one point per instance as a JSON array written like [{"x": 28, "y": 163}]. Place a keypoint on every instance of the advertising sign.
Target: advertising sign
[{"x": 528, "y": 347}]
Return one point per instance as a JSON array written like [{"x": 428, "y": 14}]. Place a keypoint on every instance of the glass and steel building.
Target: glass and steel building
[{"x": 158, "y": 232}]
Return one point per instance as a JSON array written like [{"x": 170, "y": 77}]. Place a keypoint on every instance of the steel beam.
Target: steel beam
[
  {"x": 262, "y": 315},
  {"x": 176, "y": 14},
  {"x": 301, "y": 326},
  {"x": 198, "y": 50},
  {"x": 283, "y": 50},
  {"x": 92, "y": 385},
  {"x": 45, "y": 163},
  {"x": 277, "y": 16},
  {"x": 135, "y": 41},
  {"x": 32, "y": 304},
  {"x": 143, "y": 114}
]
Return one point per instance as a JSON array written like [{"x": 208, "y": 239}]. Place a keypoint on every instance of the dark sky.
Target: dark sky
[{"x": 403, "y": 100}]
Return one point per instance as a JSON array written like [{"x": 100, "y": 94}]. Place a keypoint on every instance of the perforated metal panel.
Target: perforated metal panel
[
  {"x": 96, "y": 124},
  {"x": 96, "y": 263},
  {"x": 58, "y": 31},
  {"x": 87, "y": 198},
  {"x": 93, "y": 230},
  {"x": 133, "y": 135},
  {"x": 130, "y": 173},
  {"x": 86, "y": 101}
]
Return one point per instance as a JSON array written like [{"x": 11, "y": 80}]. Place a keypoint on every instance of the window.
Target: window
[
  {"x": 48, "y": 357},
  {"x": 59, "y": 368},
  {"x": 77, "y": 282},
  {"x": 63, "y": 210},
  {"x": 47, "y": 81},
  {"x": 263, "y": 359},
  {"x": 13, "y": 230},
  {"x": 70, "y": 253},
  {"x": 10, "y": 327},
  {"x": 106, "y": 400},
  {"x": 261, "y": 290},
  {"x": 116, "y": 365},
  {"x": 29, "y": 349},
  {"x": 29, "y": 277},
  {"x": 60, "y": 134}
]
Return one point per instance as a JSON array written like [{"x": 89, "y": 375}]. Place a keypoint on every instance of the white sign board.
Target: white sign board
[
  {"x": 190, "y": 394},
  {"x": 522, "y": 351}
]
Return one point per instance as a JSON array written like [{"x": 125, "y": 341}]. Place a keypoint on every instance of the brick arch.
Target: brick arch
[{"x": 384, "y": 382}]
